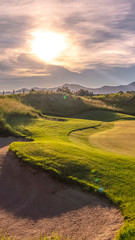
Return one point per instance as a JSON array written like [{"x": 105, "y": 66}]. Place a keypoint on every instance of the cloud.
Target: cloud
[
  {"x": 23, "y": 65},
  {"x": 14, "y": 31},
  {"x": 99, "y": 34}
]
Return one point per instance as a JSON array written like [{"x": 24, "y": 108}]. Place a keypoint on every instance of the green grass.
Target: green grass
[
  {"x": 71, "y": 158},
  {"x": 119, "y": 139},
  {"x": 122, "y": 102},
  {"x": 63, "y": 149},
  {"x": 64, "y": 104},
  {"x": 4, "y": 235},
  {"x": 51, "y": 103},
  {"x": 12, "y": 109}
]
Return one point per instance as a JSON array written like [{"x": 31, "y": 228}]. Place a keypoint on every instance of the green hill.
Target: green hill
[{"x": 67, "y": 149}]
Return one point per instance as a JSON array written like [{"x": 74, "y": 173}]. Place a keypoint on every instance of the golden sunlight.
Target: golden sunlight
[{"x": 48, "y": 45}]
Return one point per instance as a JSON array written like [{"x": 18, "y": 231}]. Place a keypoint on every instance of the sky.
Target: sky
[{"x": 48, "y": 43}]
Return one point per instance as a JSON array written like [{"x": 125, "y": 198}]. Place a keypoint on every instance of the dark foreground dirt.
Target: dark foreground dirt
[{"x": 32, "y": 204}]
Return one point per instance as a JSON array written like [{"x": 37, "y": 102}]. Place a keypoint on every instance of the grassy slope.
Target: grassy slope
[
  {"x": 62, "y": 104},
  {"x": 51, "y": 103},
  {"x": 53, "y": 150},
  {"x": 122, "y": 102},
  {"x": 10, "y": 109}
]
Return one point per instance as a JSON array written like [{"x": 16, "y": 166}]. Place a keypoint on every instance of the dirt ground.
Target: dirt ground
[{"x": 34, "y": 204}]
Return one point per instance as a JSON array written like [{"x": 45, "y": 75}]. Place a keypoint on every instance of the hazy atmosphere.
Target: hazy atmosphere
[{"x": 48, "y": 43}]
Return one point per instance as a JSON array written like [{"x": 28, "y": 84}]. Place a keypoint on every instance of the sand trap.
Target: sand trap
[{"x": 32, "y": 203}]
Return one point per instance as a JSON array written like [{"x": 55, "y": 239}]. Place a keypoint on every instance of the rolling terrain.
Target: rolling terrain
[{"x": 79, "y": 150}]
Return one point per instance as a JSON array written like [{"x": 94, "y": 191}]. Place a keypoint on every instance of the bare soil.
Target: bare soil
[{"x": 34, "y": 204}]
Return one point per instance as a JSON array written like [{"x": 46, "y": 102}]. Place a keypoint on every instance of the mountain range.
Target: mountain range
[{"x": 76, "y": 87}]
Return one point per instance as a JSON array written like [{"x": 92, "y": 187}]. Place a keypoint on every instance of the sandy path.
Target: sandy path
[{"x": 31, "y": 203}]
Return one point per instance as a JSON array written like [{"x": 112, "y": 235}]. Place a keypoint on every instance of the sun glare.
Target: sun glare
[{"x": 48, "y": 45}]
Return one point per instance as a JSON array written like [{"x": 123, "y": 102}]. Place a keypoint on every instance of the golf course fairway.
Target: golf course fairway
[
  {"x": 67, "y": 149},
  {"x": 119, "y": 139}
]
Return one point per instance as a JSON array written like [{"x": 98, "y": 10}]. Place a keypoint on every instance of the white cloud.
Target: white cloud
[{"x": 94, "y": 30}]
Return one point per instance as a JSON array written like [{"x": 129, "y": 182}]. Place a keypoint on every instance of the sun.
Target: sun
[{"x": 48, "y": 45}]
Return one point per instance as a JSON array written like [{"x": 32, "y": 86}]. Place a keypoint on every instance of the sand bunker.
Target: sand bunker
[{"x": 32, "y": 203}]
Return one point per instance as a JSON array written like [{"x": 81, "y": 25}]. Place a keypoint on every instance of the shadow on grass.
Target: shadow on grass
[
  {"x": 19, "y": 120},
  {"x": 5, "y": 141},
  {"x": 103, "y": 115}
]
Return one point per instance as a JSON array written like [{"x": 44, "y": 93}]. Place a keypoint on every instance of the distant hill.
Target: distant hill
[
  {"x": 104, "y": 89},
  {"x": 114, "y": 89},
  {"x": 76, "y": 87}
]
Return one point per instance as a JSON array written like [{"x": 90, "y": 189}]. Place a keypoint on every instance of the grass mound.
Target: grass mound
[
  {"x": 11, "y": 112},
  {"x": 124, "y": 102},
  {"x": 52, "y": 103}
]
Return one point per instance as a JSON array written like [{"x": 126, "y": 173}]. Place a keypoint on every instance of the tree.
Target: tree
[
  {"x": 120, "y": 92},
  {"x": 32, "y": 90},
  {"x": 83, "y": 92},
  {"x": 64, "y": 90}
]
